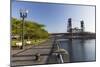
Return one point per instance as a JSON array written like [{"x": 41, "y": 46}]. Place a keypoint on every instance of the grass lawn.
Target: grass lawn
[{"x": 33, "y": 42}]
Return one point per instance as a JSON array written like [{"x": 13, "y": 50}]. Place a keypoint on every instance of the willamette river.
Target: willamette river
[{"x": 79, "y": 50}]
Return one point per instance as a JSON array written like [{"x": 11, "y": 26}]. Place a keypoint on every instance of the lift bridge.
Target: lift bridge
[{"x": 74, "y": 33}]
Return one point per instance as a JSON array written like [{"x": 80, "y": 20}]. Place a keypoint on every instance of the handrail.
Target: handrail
[{"x": 60, "y": 55}]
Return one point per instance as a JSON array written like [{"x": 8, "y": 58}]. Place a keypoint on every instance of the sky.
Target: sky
[{"x": 55, "y": 16}]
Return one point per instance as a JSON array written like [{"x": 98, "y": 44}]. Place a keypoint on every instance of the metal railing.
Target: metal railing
[{"x": 60, "y": 57}]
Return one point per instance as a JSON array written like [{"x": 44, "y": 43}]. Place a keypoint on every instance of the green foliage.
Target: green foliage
[{"x": 32, "y": 30}]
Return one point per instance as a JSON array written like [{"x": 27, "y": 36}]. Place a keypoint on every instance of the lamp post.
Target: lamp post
[{"x": 23, "y": 15}]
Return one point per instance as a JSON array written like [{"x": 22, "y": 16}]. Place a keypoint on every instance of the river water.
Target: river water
[{"x": 79, "y": 50}]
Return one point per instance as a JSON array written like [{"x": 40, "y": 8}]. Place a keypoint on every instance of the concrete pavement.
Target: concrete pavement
[{"x": 26, "y": 55}]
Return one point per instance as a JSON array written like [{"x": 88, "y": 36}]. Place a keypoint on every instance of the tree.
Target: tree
[{"x": 32, "y": 30}]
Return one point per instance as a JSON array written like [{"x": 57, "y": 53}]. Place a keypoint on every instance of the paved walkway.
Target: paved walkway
[{"x": 26, "y": 55}]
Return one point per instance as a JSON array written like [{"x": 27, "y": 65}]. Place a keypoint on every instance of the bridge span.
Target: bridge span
[{"x": 83, "y": 35}]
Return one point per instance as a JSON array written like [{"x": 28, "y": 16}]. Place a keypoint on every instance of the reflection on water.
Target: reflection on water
[{"x": 79, "y": 50}]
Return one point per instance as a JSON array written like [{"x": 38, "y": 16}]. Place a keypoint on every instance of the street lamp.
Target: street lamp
[{"x": 23, "y": 15}]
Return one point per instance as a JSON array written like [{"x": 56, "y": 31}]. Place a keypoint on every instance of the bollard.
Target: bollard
[{"x": 37, "y": 57}]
